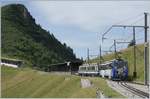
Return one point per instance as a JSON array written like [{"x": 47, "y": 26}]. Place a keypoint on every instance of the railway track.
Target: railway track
[{"x": 134, "y": 90}]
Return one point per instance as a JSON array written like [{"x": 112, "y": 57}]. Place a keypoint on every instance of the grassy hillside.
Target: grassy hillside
[
  {"x": 23, "y": 82},
  {"x": 23, "y": 39},
  {"x": 128, "y": 55}
]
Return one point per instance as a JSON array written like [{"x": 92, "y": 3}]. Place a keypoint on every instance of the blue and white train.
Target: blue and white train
[{"x": 116, "y": 69}]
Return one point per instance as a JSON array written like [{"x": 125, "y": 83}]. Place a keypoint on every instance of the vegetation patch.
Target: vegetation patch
[
  {"x": 23, "y": 39},
  {"x": 27, "y": 83}
]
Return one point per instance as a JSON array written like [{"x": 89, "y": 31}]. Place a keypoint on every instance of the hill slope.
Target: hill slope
[
  {"x": 27, "y": 83},
  {"x": 22, "y": 38},
  {"x": 127, "y": 54}
]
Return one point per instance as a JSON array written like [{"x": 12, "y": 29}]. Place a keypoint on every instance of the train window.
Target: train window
[
  {"x": 91, "y": 68},
  {"x": 82, "y": 68},
  {"x": 119, "y": 64}
]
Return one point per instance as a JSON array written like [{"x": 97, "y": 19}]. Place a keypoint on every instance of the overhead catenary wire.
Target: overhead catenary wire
[
  {"x": 140, "y": 39},
  {"x": 126, "y": 20},
  {"x": 138, "y": 20}
]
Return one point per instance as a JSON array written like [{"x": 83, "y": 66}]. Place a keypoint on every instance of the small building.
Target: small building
[
  {"x": 71, "y": 66},
  {"x": 11, "y": 62}
]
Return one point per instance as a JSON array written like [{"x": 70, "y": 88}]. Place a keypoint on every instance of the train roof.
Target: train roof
[
  {"x": 108, "y": 62},
  {"x": 88, "y": 65}
]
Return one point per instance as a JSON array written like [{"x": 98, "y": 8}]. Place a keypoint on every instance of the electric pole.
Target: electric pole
[
  {"x": 100, "y": 54},
  {"x": 88, "y": 56},
  {"x": 134, "y": 51},
  {"x": 115, "y": 49},
  {"x": 146, "y": 52}
]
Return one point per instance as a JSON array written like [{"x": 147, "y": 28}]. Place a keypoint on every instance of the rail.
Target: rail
[{"x": 134, "y": 90}]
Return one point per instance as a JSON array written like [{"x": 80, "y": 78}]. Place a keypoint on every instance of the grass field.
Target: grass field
[
  {"x": 24, "y": 82},
  {"x": 128, "y": 55}
]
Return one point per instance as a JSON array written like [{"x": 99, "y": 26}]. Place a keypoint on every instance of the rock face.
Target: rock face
[{"x": 24, "y": 39}]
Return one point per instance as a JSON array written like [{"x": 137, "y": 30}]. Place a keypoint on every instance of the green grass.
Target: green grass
[
  {"x": 102, "y": 84},
  {"x": 25, "y": 83},
  {"x": 128, "y": 55}
]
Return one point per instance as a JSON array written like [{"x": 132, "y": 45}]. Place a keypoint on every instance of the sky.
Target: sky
[{"x": 80, "y": 24}]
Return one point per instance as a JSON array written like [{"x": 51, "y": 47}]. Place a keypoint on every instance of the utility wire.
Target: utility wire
[
  {"x": 122, "y": 30},
  {"x": 142, "y": 18},
  {"x": 130, "y": 18},
  {"x": 126, "y": 20}
]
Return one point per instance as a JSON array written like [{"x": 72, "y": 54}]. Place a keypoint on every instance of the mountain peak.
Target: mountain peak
[
  {"x": 24, "y": 39},
  {"x": 15, "y": 12}
]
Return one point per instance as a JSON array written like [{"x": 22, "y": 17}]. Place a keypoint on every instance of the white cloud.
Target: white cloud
[
  {"x": 88, "y": 15},
  {"x": 91, "y": 16}
]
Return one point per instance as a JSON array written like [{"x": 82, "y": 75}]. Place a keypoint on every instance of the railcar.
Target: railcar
[
  {"x": 116, "y": 69},
  {"x": 88, "y": 70},
  {"x": 105, "y": 69},
  {"x": 119, "y": 69}
]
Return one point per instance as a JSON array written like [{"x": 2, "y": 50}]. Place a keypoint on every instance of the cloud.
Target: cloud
[{"x": 88, "y": 15}]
